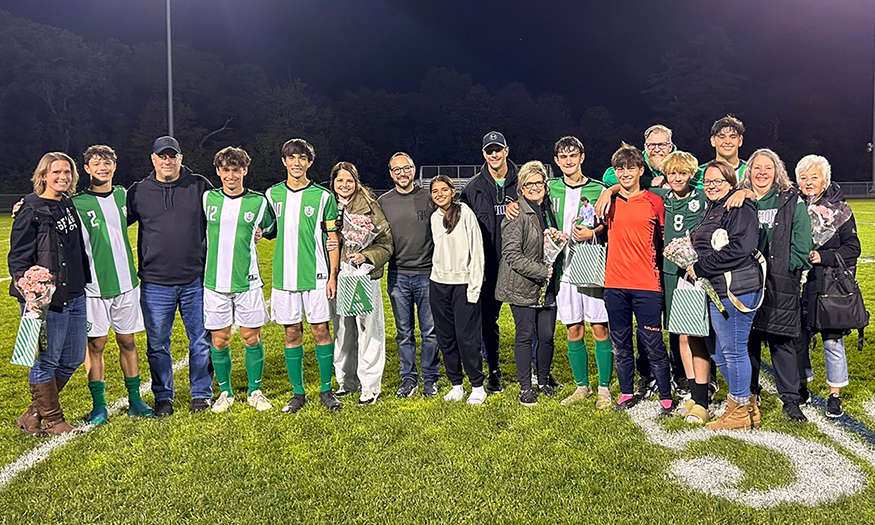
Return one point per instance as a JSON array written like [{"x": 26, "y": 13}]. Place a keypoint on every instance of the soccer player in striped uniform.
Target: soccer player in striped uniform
[
  {"x": 304, "y": 272},
  {"x": 727, "y": 136},
  {"x": 113, "y": 295},
  {"x": 232, "y": 282}
]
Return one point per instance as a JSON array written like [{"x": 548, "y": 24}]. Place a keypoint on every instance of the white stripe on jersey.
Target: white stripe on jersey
[
  {"x": 290, "y": 239},
  {"x": 119, "y": 251},
  {"x": 227, "y": 236}
]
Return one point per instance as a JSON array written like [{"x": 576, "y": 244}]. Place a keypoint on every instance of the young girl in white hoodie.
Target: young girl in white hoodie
[{"x": 454, "y": 289}]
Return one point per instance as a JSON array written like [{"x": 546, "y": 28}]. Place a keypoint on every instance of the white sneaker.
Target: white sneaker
[
  {"x": 478, "y": 396},
  {"x": 223, "y": 403},
  {"x": 534, "y": 380},
  {"x": 257, "y": 401},
  {"x": 457, "y": 393},
  {"x": 368, "y": 399}
]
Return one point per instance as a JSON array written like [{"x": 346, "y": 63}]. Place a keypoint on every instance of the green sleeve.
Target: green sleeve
[
  {"x": 331, "y": 212},
  {"x": 801, "y": 242},
  {"x": 662, "y": 192},
  {"x": 268, "y": 218},
  {"x": 610, "y": 178},
  {"x": 697, "y": 179}
]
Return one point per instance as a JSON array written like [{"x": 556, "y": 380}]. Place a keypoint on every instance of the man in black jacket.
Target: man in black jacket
[
  {"x": 171, "y": 245},
  {"x": 488, "y": 195}
]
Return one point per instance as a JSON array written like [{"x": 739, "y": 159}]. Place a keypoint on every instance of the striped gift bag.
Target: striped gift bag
[
  {"x": 27, "y": 342},
  {"x": 587, "y": 265},
  {"x": 689, "y": 310}
]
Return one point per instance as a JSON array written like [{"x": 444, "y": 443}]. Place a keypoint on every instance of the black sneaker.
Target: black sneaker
[
  {"x": 627, "y": 404},
  {"x": 834, "y": 406},
  {"x": 295, "y": 403},
  {"x": 493, "y": 382},
  {"x": 329, "y": 400},
  {"x": 527, "y": 398},
  {"x": 164, "y": 408},
  {"x": 199, "y": 405},
  {"x": 713, "y": 388},
  {"x": 805, "y": 394},
  {"x": 552, "y": 382},
  {"x": 663, "y": 412},
  {"x": 682, "y": 388},
  {"x": 429, "y": 388},
  {"x": 547, "y": 390},
  {"x": 793, "y": 412},
  {"x": 645, "y": 388},
  {"x": 408, "y": 387}
]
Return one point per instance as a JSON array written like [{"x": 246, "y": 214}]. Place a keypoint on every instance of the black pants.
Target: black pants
[
  {"x": 490, "y": 309},
  {"x": 784, "y": 362},
  {"x": 529, "y": 321},
  {"x": 457, "y": 327}
]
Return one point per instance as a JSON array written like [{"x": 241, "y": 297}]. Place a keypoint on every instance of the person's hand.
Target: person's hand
[
  {"x": 603, "y": 204},
  {"x": 331, "y": 287},
  {"x": 549, "y": 273},
  {"x": 16, "y": 207},
  {"x": 691, "y": 272},
  {"x": 658, "y": 181},
  {"x": 814, "y": 257},
  {"x": 581, "y": 233},
  {"x": 331, "y": 244},
  {"x": 735, "y": 200},
  {"x": 512, "y": 210},
  {"x": 258, "y": 234},
  {"x": 356, "y": 258}
]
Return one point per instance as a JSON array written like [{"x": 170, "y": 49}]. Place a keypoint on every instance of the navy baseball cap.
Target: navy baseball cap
[
  {"x": 164, "y": 143},
  {"x": 494, "y": 137}
]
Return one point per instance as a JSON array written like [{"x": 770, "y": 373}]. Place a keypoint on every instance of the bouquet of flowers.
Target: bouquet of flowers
[
  {"x": 554, "y": 242},
  {"x": 826, "y": 220},
  {"x": 354, "y": 293},
  {"x": 36, "y": 286},
  {"x": 358, "y": 232},
  {"x": 681, "y": 252}
]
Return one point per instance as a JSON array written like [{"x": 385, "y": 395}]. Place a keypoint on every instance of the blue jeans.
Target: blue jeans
[
  {"x": 65, "y": 343},
  {"x": 732, "y": 334},
  {"x": 405, "y": 292},
  {"x": 647, "y": 308},
  {"x": 159, "y": 304},
  {"x": 836, "y": 359}
]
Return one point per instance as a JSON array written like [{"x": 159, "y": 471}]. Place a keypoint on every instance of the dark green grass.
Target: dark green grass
[{"x": 399, "y": 461}]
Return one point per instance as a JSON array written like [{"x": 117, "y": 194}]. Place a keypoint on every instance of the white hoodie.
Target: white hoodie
[{"x": 458, "y": 256}]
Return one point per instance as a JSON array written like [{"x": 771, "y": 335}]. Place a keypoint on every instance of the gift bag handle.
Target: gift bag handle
[{"x": 734, "y": 300}]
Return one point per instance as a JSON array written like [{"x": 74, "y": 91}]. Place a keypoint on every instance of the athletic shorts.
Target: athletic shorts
[
  {"x": 576, "y": 305},
  {"x": 246, "y": 309},
  {"x": 287, "y": 308},
  {"x": 122, "y": 313}
]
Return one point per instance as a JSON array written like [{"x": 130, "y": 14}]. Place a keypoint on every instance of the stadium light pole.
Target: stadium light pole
[{"x": 169, "y": 76}]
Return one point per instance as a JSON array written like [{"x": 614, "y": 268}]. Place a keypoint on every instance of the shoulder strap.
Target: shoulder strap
[{"x": 733, "y": 299}]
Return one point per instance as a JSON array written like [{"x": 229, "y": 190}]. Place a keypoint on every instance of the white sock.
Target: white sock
[
  {"x": 478, "y": 395},
  {"x": 457, "y": 393}
]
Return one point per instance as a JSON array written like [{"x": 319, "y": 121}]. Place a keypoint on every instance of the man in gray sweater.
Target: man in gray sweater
[{"x": 407, "y": 208}]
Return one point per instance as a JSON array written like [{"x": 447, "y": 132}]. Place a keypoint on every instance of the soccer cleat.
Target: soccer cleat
[
  {"x": 429, "y": 388},
  {"x": 527, "y": 398},
  {"x": 223, "y": 403},
  {"x": 164, "y": 408},
  {"x": 627, "y": 404},
  {"x": 645, "y": 388},
  {"x": 330, "y": 401},
  {"x": 199, "y": 405},
  {"x": 368, "y": 399},
  {"x": 257, "y": 401},
  {"x": 834, "y": 406},
  {"x": 580, "y": 394},
  {"x": 457, "y": 393},
  {"x": 547, "y": 390},
  {"x": 493, "y": 382},
  {"x": 408, "y": 387},
  {"x": 140, "y": 409},
  {"x": 604, "y": 402},
  {"x": 793, "y": 412},
  {"x": 98, "y": 416},
  {"x": 478, "y": 396},
  {"x": 295, "y": 403}
]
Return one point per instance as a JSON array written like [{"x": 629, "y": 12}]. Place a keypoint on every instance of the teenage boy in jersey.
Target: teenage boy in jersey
[
  {"x": 304, "y": 273},
  {"x": 113, "y": 295},
  {"x": 171, "y": 245},
  {"x": 232, "y": 281},
  {"x": 488, "y": 195},
  {"x": 632, "y": 278},
  {"x": 727, "y": 136}
]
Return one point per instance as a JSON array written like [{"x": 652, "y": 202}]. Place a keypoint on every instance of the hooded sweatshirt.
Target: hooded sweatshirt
[{"x": 488, "y": 200}]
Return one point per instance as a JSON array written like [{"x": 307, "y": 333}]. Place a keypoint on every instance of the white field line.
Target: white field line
[
  {"x": 42, "y": 452},
  {"x": 2, "y": 279}
]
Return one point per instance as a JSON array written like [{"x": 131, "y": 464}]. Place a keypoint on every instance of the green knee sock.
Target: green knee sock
[
  {"x": 295, "y": 368},
  {"x": 325, "y": 358},
  {"x": 578, "y": 359},
  {"x": 133, "y": 386},
  {"x": 255, "y": 366},
  {"x": 604, "y": 360},
  {"x": 222, "y": 366},
  {"x": 98, "y": 393}
]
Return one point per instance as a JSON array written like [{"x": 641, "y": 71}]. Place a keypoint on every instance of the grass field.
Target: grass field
[{"x": 427, "y": 461}]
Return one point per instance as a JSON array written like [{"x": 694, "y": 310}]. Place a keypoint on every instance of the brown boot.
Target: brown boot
[
  {"x": 48, "y": 406},
  {"x": 755, "y": 406},
  {"x": 30, "y": 421},
  {"x": 61, "y": 383},
  {"x": 736, "y": 417}
]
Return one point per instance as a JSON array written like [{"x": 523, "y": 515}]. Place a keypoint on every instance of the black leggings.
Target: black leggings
[
  {"x": 457, "y": 327},
  {"x": 528, "y": 320}
]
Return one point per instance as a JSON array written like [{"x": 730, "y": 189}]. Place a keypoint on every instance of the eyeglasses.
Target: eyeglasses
[
  {"x": 533, "y": 185},
  {"x": 168, "y": 156},
  {"x": 657, "y": 145},
  {"x": 713, "y": 182},
  {"x": 397, "y": 170}
]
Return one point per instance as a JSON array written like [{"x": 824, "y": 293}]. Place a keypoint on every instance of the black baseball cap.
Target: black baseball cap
[
  {"x": 494, "y": 137},
  {"x": 164, "y": 143}
]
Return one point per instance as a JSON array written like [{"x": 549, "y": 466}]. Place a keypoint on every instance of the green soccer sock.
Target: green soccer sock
[
  {"x": 133, "y": 386},
  {"x": 578, "y": 359},
  {"x": 98, "y": 393},
  {"x": 604, "y": 360},
  {"x": 325, "y": 358},
  {"x": 222, "y": 366},
  {"x": 295, "y": 368},
  {"x": 255, "y": 366}
]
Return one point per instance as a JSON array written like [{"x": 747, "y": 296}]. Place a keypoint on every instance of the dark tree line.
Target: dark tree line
[{"x": 61, "y": 92}]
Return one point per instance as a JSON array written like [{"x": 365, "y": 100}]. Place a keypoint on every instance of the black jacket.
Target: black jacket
[
  {"x": 171, "y": 242},
  {"x": 736, "y": 257},
  {"x": 482, "y": 195},
  {"x": 780, "y": 313},
  {"x": 844, "y": 243},
  {"x": 49, "y": 235}
]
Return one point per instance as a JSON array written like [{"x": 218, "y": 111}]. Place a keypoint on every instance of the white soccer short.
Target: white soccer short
[
  {"x": 122, "y": 313},
  {"x": 576, "y": 305},
  {"x": 246, "y": 309},
  {"x": 287, "y": 308}
]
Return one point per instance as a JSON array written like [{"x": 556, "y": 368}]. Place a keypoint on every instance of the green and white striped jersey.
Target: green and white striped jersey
[
  {"x": 232, "y": 261},
  {"x": 566, "y": 201},
  {"x": 105, "y": 231},
  {"x": 302, "y": 219}
]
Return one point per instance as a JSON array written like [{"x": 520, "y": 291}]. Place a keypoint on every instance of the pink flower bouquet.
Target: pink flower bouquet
[
  {"x": 554, "y": 242},
  {"x": 36, "y": 286}
]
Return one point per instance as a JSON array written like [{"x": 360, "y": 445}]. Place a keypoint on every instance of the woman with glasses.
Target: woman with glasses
[{"x": 522, "y": 272}]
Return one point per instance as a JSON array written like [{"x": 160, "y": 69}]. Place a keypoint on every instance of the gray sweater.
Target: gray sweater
[{"x": 408, "y": 216}]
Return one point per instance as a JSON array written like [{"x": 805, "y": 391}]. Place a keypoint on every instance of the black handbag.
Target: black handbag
[{"x": 839, "y": 305}]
